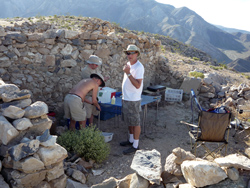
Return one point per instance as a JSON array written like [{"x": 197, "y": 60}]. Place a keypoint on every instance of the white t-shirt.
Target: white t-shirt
[{"x": 129, "y": 91}]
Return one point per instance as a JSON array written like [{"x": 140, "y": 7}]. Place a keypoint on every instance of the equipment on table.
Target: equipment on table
[
  {"x": 105, "y": 94},
  {"x": 156, "y": 88}
]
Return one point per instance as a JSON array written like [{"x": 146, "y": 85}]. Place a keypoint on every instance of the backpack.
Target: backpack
[{"x": 221, "y": 109}]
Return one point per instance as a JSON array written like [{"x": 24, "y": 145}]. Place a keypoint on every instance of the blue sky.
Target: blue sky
[{"x": 227, "y": 13}]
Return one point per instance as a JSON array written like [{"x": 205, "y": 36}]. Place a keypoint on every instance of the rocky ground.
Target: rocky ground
[{"x": 163, "y": 134}]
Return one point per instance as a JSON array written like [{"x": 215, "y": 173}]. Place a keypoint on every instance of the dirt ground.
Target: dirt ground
[{"x": 163, "y": 133}]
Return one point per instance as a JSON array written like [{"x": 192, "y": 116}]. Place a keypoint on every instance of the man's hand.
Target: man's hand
[
  {"x": 87, "y": 101},
  {"x": 98, "y": 106},
  {"x": 126, "y": 69}
]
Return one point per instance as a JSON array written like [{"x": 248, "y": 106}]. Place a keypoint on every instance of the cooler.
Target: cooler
[{"x": 105, "y": 94}]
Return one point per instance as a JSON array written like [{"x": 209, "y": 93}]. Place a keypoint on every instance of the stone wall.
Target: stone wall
[
  {"x": 48, "y": 61},
  {"x": 29, "y": 154}
]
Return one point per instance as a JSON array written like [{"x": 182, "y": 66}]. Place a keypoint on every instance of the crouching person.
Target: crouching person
[{"x": 74, "y": 101}]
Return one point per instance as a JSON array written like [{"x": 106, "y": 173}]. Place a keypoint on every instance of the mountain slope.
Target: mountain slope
[
  {"x": 232, "y": 30},
  {"x": 241, "y": 65}
]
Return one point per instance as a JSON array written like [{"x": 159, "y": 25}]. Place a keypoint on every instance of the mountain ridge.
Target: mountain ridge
[{"x": 182, "y": 23}]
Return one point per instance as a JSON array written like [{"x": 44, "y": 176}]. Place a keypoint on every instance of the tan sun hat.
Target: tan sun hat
[
  {"x": 100, "y": 77},
  {"x": 93, "y": 59},
  {"x": 132, "y": 47}
]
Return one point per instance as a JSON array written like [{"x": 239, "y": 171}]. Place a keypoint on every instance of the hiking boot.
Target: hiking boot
[
  {"x": 130, "y": 150},
  {"x": 126, "y": 143}
]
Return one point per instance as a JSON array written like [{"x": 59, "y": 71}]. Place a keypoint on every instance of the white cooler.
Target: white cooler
[{"x": 104, "y": 94}]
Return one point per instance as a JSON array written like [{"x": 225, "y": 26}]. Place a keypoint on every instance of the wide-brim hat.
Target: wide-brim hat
[
  {"x": 93, "y": 59},
  {"x": 100, "y": 77},
  {"x": 132, "y": 47}
]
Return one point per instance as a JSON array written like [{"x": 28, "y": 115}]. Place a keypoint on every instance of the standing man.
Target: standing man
[
  {"x": 93, "y": 63},
  {"x": 74, "y": 108},
  {"x": 132, "y": 86}
]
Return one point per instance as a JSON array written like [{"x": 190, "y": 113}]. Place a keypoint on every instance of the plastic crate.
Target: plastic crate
[
  {"x": 109, "y": 111},
  {"x": 173, "y": 94},
  {"x": 111, "y": 108}
]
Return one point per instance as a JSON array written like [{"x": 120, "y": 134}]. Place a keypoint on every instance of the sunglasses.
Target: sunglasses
[{"x": 129, "y": 53}]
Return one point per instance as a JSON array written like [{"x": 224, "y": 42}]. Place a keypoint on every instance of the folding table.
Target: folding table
[{"x": 116, "y": 108}]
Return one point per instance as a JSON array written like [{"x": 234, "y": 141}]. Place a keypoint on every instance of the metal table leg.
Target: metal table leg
[
  {"x": 99, "y": 120},
  {"x": 145, "y": 117},
  {"x": 156, "y": 117}
]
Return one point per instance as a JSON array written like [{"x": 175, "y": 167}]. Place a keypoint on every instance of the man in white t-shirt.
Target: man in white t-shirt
[{"x": 132, "y": 86}]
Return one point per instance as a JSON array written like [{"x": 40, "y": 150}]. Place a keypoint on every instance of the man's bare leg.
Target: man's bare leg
[
  {"x": 82, "y": 124},
  {"x": 72, "y": 125},
  {"x": 91, "y": 120},
  {"x": 137, "y": 132},
  {"x": 131, "y": 129}
]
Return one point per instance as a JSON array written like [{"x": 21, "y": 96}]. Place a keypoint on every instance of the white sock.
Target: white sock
[
  {"x": 131, "y": 138},
  {"x": 136, "y": 143}
]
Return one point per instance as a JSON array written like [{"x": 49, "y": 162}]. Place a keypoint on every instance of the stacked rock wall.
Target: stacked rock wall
[
  {"x": 216, "y": 91},
  {"x": 48, "y": 61},
  {"x": 30, "y": 154}
]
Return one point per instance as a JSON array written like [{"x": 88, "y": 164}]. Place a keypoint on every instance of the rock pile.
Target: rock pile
[
  {"x": 182, "y": 169},
  {"x": 214, "y": 90},
  {"x": 30, "y": 154}
]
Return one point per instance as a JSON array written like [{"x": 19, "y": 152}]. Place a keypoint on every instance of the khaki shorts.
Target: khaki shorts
[
  {"x": 131, "y": 112},
  {"x": 74, "y": 108},
  {"x": 90, "y": 109}
]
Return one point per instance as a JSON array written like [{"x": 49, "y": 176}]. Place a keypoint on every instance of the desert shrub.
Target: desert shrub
[
  {"x": 223, "y": 65},
  {"x": 88, "y": 143},
  {"x": 196, "y": 58},
  {"x": 216, "y": 67},
  {"x": 246, "y": 76},
  {"x": 206, "y": 63},
  {"x": 67, "y": 140},
  {"x": 163, "y": 49},
  {"x": 116, "y": 24},
  {"x": 196, "y": 74}
]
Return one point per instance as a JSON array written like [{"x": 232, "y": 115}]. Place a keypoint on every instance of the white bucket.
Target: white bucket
[{"x": 107, "y": 136}]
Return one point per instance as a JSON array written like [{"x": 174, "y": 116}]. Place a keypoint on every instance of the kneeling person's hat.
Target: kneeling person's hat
[
  {"x": 99, "y": 76},
  {"x": 93, "y": 59}
]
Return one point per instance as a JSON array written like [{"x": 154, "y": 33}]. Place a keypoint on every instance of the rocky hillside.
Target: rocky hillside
[{"x": 182, "y": 24}]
